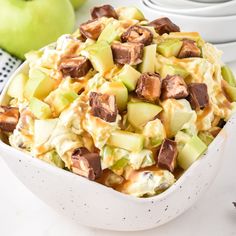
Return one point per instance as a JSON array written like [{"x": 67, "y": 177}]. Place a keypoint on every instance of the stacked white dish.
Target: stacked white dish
[{"x": 215, "y": 20}]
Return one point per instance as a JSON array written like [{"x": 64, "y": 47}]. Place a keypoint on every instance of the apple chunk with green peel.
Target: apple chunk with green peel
[
  {"x": 140, "y": 113},
  {"x": 119, "y": 90},
  {"x": 30, "y": 25},
  {"x": 111, "y": 32},
  {"x": 129, "y": 76},
  {"x": 170, "y": 47},
  {"x": 39, "y": 85},
  {"x": 130, "y": 13},
  {"x": 168, "y": 69},
  {"x": 191, "y": 151},
  {"x": 149, "y": 58},
  {"x": 127, "y": 140},
  {"x": 100, "y": 55},
  {"x": 62, "y": 100},
  {"x": 176, "y": 115},
  {"x": 16, "y": 88},
  {"x": 230, "y": 91},
  {"x": 195, "y": 36},
  {"x": 228, "y": 75},
  {"x": 41, "y": 110}
]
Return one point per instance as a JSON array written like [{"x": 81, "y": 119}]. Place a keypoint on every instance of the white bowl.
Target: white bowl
[
  {"x": 223, "y": 9},
  {"x": 212, "y": 29},
  {"x": 181, "y": 4},
  {"x": 229, "y": 50},
  {"x": 95, "y": 205},
  {"x": 211, "y": 1}
]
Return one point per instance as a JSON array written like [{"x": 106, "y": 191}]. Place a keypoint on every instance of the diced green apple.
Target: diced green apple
[
  {"x": 185, "y": 35},
  {"x": 170, "y": 47},
  {"x": 100, "y": 55},
  {"x": 141, "y": 112},
  {"x": 39, "y": 85},
  {"x": 228, "y": 75},
  {"x": 119, "y": 90},
  {"x": 149, "y": 59},
  {"x": 62, "y": 100},
  {"x": 16, "y": 88},
  {"x": 127, "y": 140},
  {"x": 176, "y": 114},
  {"x": 41, "y": 110},
  {"x": 168, "y": 69},
  {"x": 130, "y": 13},
  {"x": 120, "y": 165},
  {"x": 134, "y": 99},
  {"x": 192, "y": 150},
  {"x": 43, "y": 130},
  {"x": 129, "y": 76},
  {"x": 110, "y": 33},
  {"x": 230, "y": 91}
]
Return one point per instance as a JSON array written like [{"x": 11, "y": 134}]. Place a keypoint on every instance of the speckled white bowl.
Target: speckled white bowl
[{"x": 95, "y": 205}]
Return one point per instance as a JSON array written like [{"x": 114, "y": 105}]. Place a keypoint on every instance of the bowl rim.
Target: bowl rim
[
  {"x": 217, "y": 142},
  {"x": 214, "y": 7},
  {"x": 231, "y": 43},
  {"x": 202, "y": 19}
]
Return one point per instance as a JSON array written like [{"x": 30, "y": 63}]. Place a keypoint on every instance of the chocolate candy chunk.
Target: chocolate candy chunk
[
  {"x": 105, "y": 10},
  {"x": 127, "y": 53},
  {"x": 103, "y": 106},
  {"x": 9, "y": 117},
  {"x": 189, "y": 49},
  {"x": 75, "y": 67},
  {"x": 86, "y": 164},
  {"x": 198, "y": 96},
  {"x": 164, "y": 25},
  {"x": 91, "y": 29},
  {"x": 137, "y": 34},
  {"x": 174, "y": 87},
  {"x": 149, "y": 86},
  {"x": 167, "y": 155}
]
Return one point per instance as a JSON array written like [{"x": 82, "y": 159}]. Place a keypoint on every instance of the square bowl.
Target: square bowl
[{"x": 95, "y": 205}]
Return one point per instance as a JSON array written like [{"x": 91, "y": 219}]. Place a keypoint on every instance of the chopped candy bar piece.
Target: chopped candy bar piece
[
  {"x": 127, "y": 53},
  {"x": 149, "y": 86},
  {"x": 91, "y": 29},
  {"x": 86, "y": 164},
  {"x": 9, "y": 117},
  {"x": 164, "y": 25},
  {"x": 105, "y": 10},
  {"x": 198, "y": 96},
  {"x": 103, "y": 106},
  {"x": 75, "y": 67},
  {"x": 167, "y": 155},
  {"x": 137, "y": 34},
  {"x": 174, "y": 87},
  {"x": 189, "y": 49}
]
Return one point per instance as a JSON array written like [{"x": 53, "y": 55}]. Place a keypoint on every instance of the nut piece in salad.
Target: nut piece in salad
[{"x": 123, "y": 101}]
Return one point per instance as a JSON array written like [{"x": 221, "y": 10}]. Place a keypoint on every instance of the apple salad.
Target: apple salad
[{"x": 123, "y": 101}]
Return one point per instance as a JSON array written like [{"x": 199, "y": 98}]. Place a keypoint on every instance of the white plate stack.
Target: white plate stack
[{"x": 215, "y": 20}]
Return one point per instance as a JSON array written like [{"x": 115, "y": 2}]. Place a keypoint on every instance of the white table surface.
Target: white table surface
[{"x": 23, "y": 214}]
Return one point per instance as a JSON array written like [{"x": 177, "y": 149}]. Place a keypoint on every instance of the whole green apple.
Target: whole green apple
[
  {"x": 77, "y": 3},
  {"x": 31, "y": 24}
]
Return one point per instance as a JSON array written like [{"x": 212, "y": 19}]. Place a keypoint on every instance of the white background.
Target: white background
[{"x": 23, "y": 214}]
